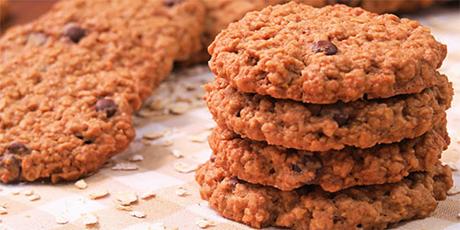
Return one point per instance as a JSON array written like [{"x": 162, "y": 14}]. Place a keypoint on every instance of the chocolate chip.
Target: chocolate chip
[
  {"x": 12, "y": 165},
  {"x": 74, "y": 32},
  {"x": 233, "y": 181},
  {"x": 324, "y": 46},
  {"x": 296, "y": 168},
  {"x": 85, "y": 140},
  {"x": 17, "y": 148},
  {"x": 304, "y": 190},
  {"x": 272, "y": 171},
  {"x": 341, "y": 118},
  {"x": 170, "y": 3},
  {"x": 106, "y": 105}
]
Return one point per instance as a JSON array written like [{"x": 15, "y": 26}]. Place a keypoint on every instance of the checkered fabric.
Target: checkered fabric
[{"x": 157, "y": 172}]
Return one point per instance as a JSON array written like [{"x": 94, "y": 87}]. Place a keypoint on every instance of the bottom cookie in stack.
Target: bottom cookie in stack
[{"x": 310, "y": 207}]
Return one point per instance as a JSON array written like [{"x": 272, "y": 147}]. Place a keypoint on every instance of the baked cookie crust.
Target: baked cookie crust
[
  {"x": 334, "y": 53},
  {"x": 288, "y": 169},
  {"x": 312, "y": 127},
  {"x": 367, "y": 207}
]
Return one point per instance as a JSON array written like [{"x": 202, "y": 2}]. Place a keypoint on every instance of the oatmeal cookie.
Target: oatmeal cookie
[
  {"x": 72, "y": 79},
  {"x": 324, "y": 55},
  {"x": 220, "y": 13},
  {"x": 289, "y": 169},
  {"x": 309, "y": 207},
  {"x": 313, "y": 127}
]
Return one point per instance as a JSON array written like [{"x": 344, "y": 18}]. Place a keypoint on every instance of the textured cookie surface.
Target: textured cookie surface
[
  {"x": 367, "y": 207},
  {"x": 323, "y": 127},
  {"x": 71, "y": 80},
  {"x": 220, "y": 13},
  {"x": 288, "y": 169},
  {"x": 325, "y": 55}
]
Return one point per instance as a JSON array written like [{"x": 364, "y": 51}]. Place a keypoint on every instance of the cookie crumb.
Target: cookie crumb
[
  {"x": 90, "y": 219},
  {"x": 125, "y": 166},
  {"x": 81, "y": 184},
  {"x": 184, "y": 168},
  {"x": 34, "y": 197},
  {"x": 181, "y": 192},
  {"x": 126, "y": 198},
  {"x": 454, "y": 191},
  {"x": 177, "y": 153},
  {"x": 136, "y": 158},
  {"x": 148, "y": 195},
  {"x": 61, "y": 220},
  {"x": 137, "y": 214},
  {"x": 204, "y": 223},
  {"x": 98, "y": 194}
]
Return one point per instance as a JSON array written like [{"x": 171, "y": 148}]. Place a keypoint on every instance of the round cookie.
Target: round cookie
[
  {"x": 288, "y": 169},
  {"x": 325, "y": 55},
  {"x": 312, "y": 127},
  {"x": 367, "y": 207}
]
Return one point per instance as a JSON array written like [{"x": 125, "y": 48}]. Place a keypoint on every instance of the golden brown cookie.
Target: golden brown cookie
[
  {"x": 72, "y": 79},
  {"x": 311, "y": 127},
  {"x": 325, "y": 55},
  {"x": 289, "y": 169},
  {"x": 309, "y": 207}
]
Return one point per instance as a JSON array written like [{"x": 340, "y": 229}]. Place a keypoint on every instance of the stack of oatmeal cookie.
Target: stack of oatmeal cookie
[{"x": 330, "y": 118}]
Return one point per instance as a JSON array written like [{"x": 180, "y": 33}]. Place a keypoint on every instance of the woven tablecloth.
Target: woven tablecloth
[{"x": 177, "y": 203}]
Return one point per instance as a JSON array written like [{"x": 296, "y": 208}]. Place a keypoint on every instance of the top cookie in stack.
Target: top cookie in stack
[{"x": 326, "y": 116}]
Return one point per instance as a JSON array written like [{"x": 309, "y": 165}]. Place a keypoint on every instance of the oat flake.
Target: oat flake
[
  {"x": 3, "y": 210},
  {"x": 124, "y": 208},
  {"x": 98, "y": 194},
  {"x": 81, "y": 184},
  {"x": 181, "y": 191},
  {"x": 137, "y": 214},
  {"x": 61, "y": 220},
  {"x": 126, "y": 198},
  {"x": 34, "y": 197},
  {"x": 177, "y": 153},
  {"x": 148, "y": 195},
  {"x": 29, "y": 192},
  {"x": 454, "y": 191},
  {"x": 204, "y": 223},
  {"x": 90, "y": 219},
  {"x": 184, "y": 168},
  {"x": 136, "y": 157},
  {"x": 154, "y": 135},
  {"x": 179, "y": 108},
  {"x": 125, "y": 166},
  {"x": 200, "y": 138}
]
